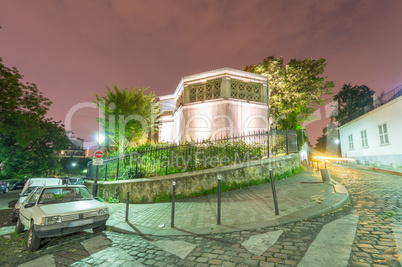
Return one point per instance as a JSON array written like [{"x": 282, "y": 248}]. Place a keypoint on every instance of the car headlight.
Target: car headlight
[
  {"x": 103, "y": 212},
  {"x": 53, "y": 220}
]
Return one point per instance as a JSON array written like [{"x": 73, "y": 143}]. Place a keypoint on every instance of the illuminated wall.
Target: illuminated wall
[
  {"x": 375, "y": 137},
  {"x": 214, "y": 104}
]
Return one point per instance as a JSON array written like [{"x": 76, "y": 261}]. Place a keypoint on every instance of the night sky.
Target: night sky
[{"x": 75, "y": 49}]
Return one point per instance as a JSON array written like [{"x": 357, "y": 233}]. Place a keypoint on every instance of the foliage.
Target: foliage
[
  {"x": 162, "y": 159},
  {"x": 321, "y": 144},
  {"x": 350, "y": 99},
  {"x": 66, "y": 167},
  {"x": 27, "y": 138},
  {"x": 130, "y": 117},
  {"x": 227, "y": 186},
  {"x": 295, "y": 89}
]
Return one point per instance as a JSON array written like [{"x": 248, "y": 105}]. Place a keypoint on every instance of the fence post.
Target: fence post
[
  {"x": 117, "y": 174},
  {"x": 167, "y": 164},
  {"x": 219, "y": 200},
  {"x": 127, "y": 205},
  {"x": 136, "y": 166},
  {"x": 173, "y": 203},
  {"x": 268, "y": 143},
  {"x": 271, "y": 174},
  {"x": 105, "y": 171},
  {"x": 287, "y": 145}
]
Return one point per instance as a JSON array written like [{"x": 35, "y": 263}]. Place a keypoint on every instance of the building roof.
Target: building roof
[{"x": 377, "y": 102}]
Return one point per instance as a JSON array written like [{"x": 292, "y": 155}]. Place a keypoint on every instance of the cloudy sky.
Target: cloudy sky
[{"x": 75, "y": 49}]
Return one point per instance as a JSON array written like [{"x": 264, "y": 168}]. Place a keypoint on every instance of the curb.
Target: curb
[{"x": 337, "y": 200}]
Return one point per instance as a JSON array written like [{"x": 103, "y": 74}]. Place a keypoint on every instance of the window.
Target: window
[
  {"x": 350, "y": 138},
  {"x": 383, "y": 131},
  {"x": 364, "y": 138}
]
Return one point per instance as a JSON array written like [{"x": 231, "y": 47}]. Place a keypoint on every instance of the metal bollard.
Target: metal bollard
[
  {"x": 127, "y": 205},
  {"x": 173, "y": 203},
  {"x": 271, "y": 174},
  {"x": 219, "y": 201}
]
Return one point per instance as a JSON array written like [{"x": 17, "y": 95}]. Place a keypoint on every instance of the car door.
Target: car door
[{"x": 28, "y": 206}]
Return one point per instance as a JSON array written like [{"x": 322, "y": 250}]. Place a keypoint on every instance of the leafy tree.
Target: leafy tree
[
  {"x": 27, "y": 138},
  {"x": 130, "y": 116},
  {"x": 295, "y": 89},
  {"x": 351, "y": 99}
]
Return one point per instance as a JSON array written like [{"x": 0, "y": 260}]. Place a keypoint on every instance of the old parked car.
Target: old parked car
[
  {"x": 58, "y": 210},
  {"x": 4, "y": 186},
  {"x": 76, "y": 180},
  {"x": 31, "y": 184},
  {"x": 20, "y": 184}
]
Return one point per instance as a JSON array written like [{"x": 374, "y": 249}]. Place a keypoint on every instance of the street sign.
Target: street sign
[
  {"x": 98, "y": 154},
  {"x": 96, "y": 161}
]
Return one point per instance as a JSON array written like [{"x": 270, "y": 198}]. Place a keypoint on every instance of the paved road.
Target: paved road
[
  {"x": 377, "y": 200},
  {"x": 365, "y": 232},
  {"x": 8, "y": 199}
]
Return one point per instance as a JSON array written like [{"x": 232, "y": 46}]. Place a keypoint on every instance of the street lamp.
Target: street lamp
[
  {"x": 100, "y": 139},
  {"x": 73, "y": 164},
  {"x": 338, "y": 143}
]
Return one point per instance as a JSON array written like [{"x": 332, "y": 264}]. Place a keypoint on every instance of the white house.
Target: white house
[
  {"x": 213, "y": 104},
  {"x": 375, "y": 137}
]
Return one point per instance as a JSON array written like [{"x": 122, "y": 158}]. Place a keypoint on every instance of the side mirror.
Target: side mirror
[
  {"x": 29, "y": 205},
  {"x": 19, "y": 195}
]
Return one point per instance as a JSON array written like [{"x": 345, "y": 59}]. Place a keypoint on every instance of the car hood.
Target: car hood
[{"x": 72, "y": 207}]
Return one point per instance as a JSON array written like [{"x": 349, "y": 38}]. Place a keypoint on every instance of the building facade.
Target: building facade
[
  {"x": 75, "y": 150},
  {"x": 375, "y": 136},
  {"x": 215, "y": 104}
]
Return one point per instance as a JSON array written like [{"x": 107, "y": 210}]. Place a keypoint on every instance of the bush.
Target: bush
[{"x": 227, "y": 186}]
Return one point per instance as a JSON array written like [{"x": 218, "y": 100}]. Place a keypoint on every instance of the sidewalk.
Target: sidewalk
[{"x": 299, "y": 197}]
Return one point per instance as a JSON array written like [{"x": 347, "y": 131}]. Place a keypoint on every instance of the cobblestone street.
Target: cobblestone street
[
  {"x": 371, "y": 220},
  {"x": 377, "y": 200}
]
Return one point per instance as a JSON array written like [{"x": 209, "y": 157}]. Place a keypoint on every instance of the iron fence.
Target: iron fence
[{"x": 163, "y": 159}]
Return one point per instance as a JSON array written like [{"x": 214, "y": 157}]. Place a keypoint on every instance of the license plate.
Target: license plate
[{"x": 79, "y": 223}]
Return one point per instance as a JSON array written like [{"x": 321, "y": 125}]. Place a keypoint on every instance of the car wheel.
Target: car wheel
[
  {"x": 15, "y": 216},
  {"x": 19, "y": 227},
  {"x": 33, "y": 241},
  {"x": 99, "y": 228}
]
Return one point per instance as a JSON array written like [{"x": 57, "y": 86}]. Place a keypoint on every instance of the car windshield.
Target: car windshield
[
  {"x": 29, "y": 190},
  {"x": 63, "y": 195}
]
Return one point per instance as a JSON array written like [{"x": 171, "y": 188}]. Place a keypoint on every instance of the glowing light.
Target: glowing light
[
  {"x": 74, "y": 164},
  {"x": 327, "y": 159},
  {"x": 100, "y": 138}
]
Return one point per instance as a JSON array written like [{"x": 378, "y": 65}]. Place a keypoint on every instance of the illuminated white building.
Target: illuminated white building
[
  {"x": 214, "y": 104},
  {"x": 373, "y": 134}
]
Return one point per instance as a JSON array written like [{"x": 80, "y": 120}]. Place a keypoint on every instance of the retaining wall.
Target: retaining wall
[{"x": 143, "y": 190}]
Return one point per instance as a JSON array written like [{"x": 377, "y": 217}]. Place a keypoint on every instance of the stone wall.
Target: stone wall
[{"x": 143, "y": 190}]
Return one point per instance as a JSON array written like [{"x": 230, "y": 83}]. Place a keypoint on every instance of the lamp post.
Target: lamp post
[
  {"x": 74, "y": 164},
  {"x": 338, "y": 143}
]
